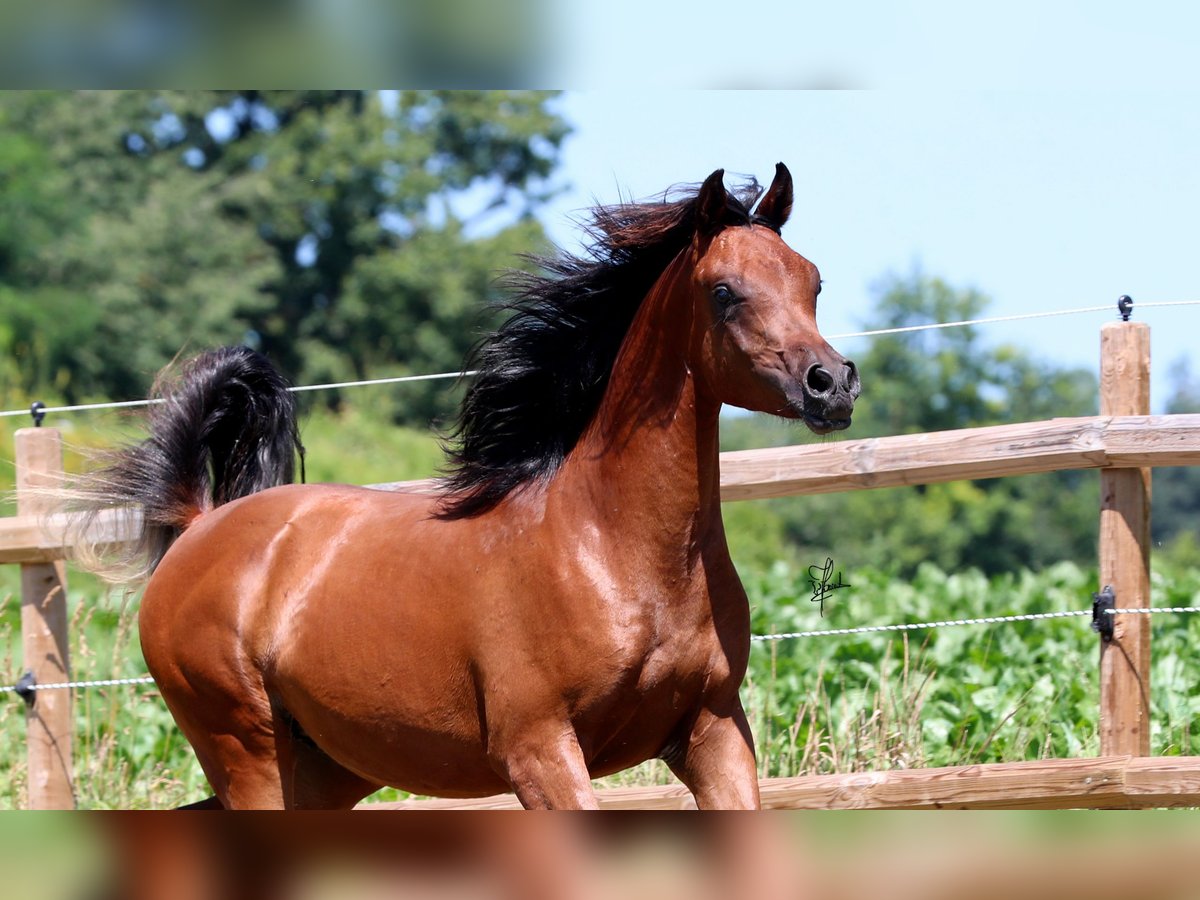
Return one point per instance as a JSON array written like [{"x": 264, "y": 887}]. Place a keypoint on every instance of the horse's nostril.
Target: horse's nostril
[
  {"x": 853, "y": 383},
  {"x": 818, "y": 380}
]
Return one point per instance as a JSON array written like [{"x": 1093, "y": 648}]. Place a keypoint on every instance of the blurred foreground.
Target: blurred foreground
[
  {"x": 117, "y": 43},
  {"x": 193, "y": 856}
]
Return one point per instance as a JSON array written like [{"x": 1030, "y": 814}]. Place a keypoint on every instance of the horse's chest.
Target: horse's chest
[
  {"x": 675, "y": 641},
  {"x": 666, "y": 672}
]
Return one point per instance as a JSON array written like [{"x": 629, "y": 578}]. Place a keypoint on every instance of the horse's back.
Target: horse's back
[{"x": 251, "y": 565}]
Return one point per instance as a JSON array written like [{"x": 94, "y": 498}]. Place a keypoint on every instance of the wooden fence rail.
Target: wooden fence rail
[
  {"x": 1090, "y": 442},
  {"x": 1116, "y": 782}
]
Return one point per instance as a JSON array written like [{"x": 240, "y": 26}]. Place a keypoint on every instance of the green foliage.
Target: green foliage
[
  {"x": 957, "y": 695},
  {"x": 128, "y": 752},
  {"x": 352, "y": 235},
  {"x": 352, "y": 446},
  {"x": 348, "y": 235}
]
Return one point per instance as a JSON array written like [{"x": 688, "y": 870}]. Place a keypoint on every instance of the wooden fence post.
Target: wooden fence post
[
  {"x": 1125, "y": 549},
  {"x": 44, "y": 631}
]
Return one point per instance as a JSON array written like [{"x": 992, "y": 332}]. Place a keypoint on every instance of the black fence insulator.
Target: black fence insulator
[
  {"x": 1102, "y": 620},
  {"x": 1125, "y": 306},
  {"x": 24, "y": 687},
  {"x": 38, "y": 411}
]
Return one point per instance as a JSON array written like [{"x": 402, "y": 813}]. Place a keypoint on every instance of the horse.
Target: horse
[{"x": 563, "y": 606}]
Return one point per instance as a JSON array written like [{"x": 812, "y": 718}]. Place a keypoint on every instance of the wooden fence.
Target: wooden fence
[{"x": 1124, "y": 442}]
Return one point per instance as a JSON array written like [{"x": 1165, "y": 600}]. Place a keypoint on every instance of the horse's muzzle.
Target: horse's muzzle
[{"x": 828, "y": 392}]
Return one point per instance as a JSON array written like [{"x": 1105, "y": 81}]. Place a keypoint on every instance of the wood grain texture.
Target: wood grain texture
[
  {"x": 1000, "y": 450},
  {"x": 1025, "y": 448},
  {"x": 1116, "y": 782},
  {"x": 42, "y": 538},
  {"x": 48, "y": 718},
  {"x": 1124, "y": 548}
]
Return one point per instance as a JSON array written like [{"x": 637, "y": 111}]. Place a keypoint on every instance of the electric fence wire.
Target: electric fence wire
[
  {"x": 906, "y": 329},
  {"x": 829, "y": 632}
]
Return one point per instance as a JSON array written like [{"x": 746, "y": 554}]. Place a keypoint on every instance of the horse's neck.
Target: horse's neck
[{"x": 649, "y": 459}]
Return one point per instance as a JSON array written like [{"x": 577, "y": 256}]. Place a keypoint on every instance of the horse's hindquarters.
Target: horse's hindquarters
[{"x": 290, "y": 619}]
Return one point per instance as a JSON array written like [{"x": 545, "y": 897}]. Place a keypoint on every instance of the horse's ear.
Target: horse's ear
[
  {"x": 776, "y": 206},
  {"x": 711, "y": 203}
]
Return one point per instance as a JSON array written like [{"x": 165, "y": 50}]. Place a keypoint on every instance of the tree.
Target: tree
[
  {"x": 34, "y": 319},
  {"x": 946, "y": 378},
  {"x": 316, "y": 225}
]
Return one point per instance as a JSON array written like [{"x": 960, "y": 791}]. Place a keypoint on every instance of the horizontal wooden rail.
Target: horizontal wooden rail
[
  {"x": 29, "y": 539},
  {"x": 1026, "y": 448},
  {"x": 969, "y": 453},
  {"x": 1108, "y": 782}
]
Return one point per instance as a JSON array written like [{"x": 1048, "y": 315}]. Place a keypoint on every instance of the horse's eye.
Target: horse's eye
[{"x": 723, "y": 295}]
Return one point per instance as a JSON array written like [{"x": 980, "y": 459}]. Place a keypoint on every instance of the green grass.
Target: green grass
[
  {"x": 355, "y": 447},
  {"x": 957, "y": 695},
  {"x": 127, "y": 752}
]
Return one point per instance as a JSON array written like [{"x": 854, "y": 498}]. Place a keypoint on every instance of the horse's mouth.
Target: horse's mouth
[
  {"x": 829, "y": 419},
  {"x": 822, "y": 425}
]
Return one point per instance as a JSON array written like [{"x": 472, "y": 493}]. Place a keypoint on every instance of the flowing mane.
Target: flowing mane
[{"x": 541, "y": 375}]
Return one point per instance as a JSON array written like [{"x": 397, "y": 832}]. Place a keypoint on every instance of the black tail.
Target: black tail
[{"x": 225, "y": 427}]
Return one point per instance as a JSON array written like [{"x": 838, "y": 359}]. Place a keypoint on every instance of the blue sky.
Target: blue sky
[
  {"x": 1041, "y": 199},
  {"x": 906, "y": 44}
]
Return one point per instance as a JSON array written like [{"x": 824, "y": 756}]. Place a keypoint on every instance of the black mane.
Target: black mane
[{"x": 541, "y": 375}]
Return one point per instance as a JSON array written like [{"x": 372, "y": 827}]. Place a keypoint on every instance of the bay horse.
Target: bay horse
[{"x": 564, "y": 607}]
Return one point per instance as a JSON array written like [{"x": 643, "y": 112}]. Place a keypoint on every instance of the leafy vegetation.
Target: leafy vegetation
[
  {"x": 356, "y": 234},
  {"x": 949, "y": 696},
  {"x": 346, "y": 234}
]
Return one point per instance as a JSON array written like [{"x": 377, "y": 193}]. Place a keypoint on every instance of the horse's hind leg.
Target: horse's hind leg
[
  {"x": 272, "y": 766},
  {"x": 253, "y": 753},
  {"x": 212, "y": 802},
  {"x": 309, "y": 777},
  {"x": 232, "y": 730},
  {"x": 240, "y": 764}
]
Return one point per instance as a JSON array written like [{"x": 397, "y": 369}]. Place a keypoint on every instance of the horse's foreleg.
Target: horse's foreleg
[
  {"x": 717, "y": 761},
  {"x": 546, "y": 769}
]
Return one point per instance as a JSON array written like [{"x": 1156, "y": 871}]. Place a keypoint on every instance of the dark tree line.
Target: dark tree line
[{"x": 346, "y": 234}]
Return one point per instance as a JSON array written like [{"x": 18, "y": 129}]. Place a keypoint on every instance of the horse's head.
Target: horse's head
[{"x": 756, "y": 343}]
